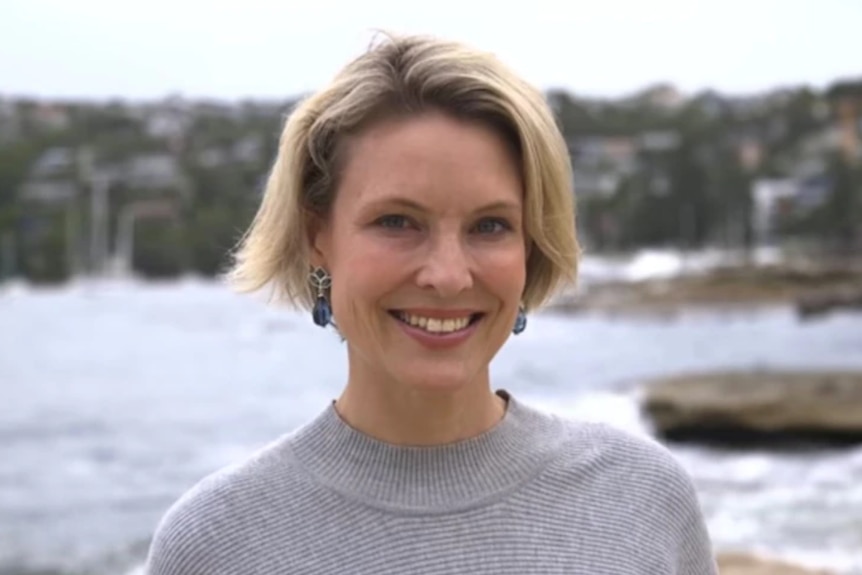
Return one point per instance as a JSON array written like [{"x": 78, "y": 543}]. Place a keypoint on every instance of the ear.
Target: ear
[{"x": 318, "y": 237}]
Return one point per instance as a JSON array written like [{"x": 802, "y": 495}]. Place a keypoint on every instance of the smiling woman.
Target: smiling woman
[{"x": 422, "y": 203}]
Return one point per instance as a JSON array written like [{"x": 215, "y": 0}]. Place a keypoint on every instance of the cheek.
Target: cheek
[
  {"x": 505, "y": 271},
  {"x": 363, "y": 275}
]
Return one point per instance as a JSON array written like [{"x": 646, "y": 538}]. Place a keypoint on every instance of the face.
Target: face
[{"x": 426, "y": 248}]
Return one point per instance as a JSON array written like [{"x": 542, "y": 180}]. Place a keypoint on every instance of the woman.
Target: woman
[{"x": 422, "y": 204}]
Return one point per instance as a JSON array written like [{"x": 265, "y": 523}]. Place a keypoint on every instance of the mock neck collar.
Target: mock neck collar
[{"x": 428, "y": 478}]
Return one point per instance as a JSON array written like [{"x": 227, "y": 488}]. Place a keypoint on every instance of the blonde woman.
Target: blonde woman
[{"x": 421, "y": 204}]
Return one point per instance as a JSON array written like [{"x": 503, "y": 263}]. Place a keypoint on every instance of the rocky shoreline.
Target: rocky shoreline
[
  {"x": 756, "y": 409},
  {"x": 779, "y": 409},
  {"x": 812, "y": 289},
  {"x": 747, "y": 564},
  {"x": 753, "y": 409},
  {"x": 744, "y": 410}
]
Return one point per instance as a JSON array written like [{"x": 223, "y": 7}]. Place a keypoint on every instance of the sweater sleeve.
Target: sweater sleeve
[
  {"x": 652, "y": 495},
  {"x": 693, "y": 552},
  {"x": 177, "y": 547},
  {"x": 187, "y": 540}
]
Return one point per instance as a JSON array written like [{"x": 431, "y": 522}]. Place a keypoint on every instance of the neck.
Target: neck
[
  {"x": 402, "y": 415},
  {"x": 433, "y": 478}
]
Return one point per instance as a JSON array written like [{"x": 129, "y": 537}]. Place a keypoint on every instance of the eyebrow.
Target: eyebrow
[{"x": 413, "y": 205}]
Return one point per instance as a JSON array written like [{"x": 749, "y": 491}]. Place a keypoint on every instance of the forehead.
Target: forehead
[{"x": 432, "y": 159}]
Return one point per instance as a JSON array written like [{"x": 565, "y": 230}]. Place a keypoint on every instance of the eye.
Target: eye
[
  {"x": 393, "y": 222},
  {"x": 492, "y": 226}
]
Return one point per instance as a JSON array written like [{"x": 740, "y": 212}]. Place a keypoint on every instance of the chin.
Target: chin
[{"x": 437, "y": 378}]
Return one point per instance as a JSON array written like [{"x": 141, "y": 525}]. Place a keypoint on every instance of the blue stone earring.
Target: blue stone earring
[
  {"x": 520, "y": 321},
  {"x": 321, "y": 281}
]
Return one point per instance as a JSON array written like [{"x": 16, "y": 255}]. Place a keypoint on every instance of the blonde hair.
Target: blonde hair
[{"x": 405, "y": 76}]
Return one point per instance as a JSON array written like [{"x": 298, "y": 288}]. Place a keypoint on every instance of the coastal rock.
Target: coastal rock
[
  {"x": 823, "y": 302},
  {"x": 813, "y": 289},
  {"x": 792, "y": 409},
  {"x": 743, "y": 564}
]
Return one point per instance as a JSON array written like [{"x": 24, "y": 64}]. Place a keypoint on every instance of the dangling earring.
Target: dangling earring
[
  {"x": 321, "y": 281},
  {"x": 520, "y": 321}
]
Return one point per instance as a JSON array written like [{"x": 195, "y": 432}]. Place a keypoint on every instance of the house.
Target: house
[
  {"x": 54, "y": 162},
  {"x": 846, "y": 100},
  {"x": 776, "y": 199},
  {"x": 248, "y": 150},
  {"x": 167, "y": 124},
  {"x": 658, "y": 141},
  {"x": 615, "y": 152},
  {"x": 712, "y": 103},
  {"x": 51, "y": 117},
  {"x": 168, "y": 120},
  {"x": 154, "y": 172},
  {"x": 595, "y": 182},
  {"x": 53, "y": 177},
  {"x": 211, "y": 157},
  {"x": 750, "y": 153},
  {"x": 49, "y": 191},
  {"x": 9, "y": 122},
  {"x": 601, "y": 163},
  {"x": 245, "y": 151},
  {"x": 772, "y": 199},
  {"x": 662, "y": 96},
  {"x": 810, "y": 158}
]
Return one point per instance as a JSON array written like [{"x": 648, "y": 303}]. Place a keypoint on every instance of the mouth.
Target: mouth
[{"x": 437, "y": 325}]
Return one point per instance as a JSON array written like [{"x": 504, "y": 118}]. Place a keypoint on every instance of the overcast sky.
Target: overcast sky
[{"x": 278, "y": 48}]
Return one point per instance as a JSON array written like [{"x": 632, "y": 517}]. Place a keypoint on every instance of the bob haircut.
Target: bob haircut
[{"x": 403, "y": 76}]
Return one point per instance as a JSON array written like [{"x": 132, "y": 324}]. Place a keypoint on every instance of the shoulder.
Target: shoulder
[
  {"x": 608, "y": 463},
  {"x": 190, "y": 535},
  {"x": 639, "y": 481},
  {"x": 626, "y": 452},
  {"x": 642, "y": 473}
]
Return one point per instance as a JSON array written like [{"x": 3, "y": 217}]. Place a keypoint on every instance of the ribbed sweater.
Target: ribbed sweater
[{"x": 534, "y": 494}]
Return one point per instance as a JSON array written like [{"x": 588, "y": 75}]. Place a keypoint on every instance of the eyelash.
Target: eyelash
[
  {"x": 389, "y": 217},
  {"x": 502, "y": 224}
]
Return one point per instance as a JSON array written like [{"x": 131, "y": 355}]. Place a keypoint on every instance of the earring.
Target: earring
[
  {"x": 321, "y": 281},
  {"x": 520, "y": 321}
]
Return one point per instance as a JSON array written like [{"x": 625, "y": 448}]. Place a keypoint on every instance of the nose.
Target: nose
[{"x": 446, "y": 267}]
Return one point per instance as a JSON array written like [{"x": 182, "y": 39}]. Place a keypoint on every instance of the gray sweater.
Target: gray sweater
[{"x": 535, "y": 494}]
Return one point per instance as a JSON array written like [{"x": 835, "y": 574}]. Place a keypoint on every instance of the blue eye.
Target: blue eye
[
  {"x": 393, "y": 221},
  {"x": 492, "y": 226}
]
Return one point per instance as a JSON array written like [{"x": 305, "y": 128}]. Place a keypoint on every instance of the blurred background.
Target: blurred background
[{"x": 718, "y": 176}]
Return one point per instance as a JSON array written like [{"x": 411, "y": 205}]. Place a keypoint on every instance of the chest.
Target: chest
[{"x": 500, "y": 540}]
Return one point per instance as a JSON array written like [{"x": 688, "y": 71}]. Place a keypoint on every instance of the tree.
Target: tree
[{"x": 843, "y": 208}]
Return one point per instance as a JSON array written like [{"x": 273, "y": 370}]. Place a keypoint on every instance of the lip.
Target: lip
[{"x": 443, "y": 340}]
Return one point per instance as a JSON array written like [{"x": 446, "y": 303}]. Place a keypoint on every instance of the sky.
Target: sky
[{"x": 276, "y": 49}]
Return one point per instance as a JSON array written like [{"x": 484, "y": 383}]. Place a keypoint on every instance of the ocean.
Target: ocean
[{"x": 116, "y": 396}]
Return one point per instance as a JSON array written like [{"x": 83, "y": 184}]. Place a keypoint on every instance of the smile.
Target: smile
[{"x": 437, "y": 325}]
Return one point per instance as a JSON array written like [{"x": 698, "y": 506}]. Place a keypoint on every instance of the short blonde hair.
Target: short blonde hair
[{"x": 404, "y": 76}]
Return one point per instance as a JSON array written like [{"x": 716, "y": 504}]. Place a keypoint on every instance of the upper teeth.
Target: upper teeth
[{"x": 434, "y": 324}]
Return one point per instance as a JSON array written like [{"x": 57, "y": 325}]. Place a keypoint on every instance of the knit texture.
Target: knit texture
[{"x": 534, "y": 494}]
